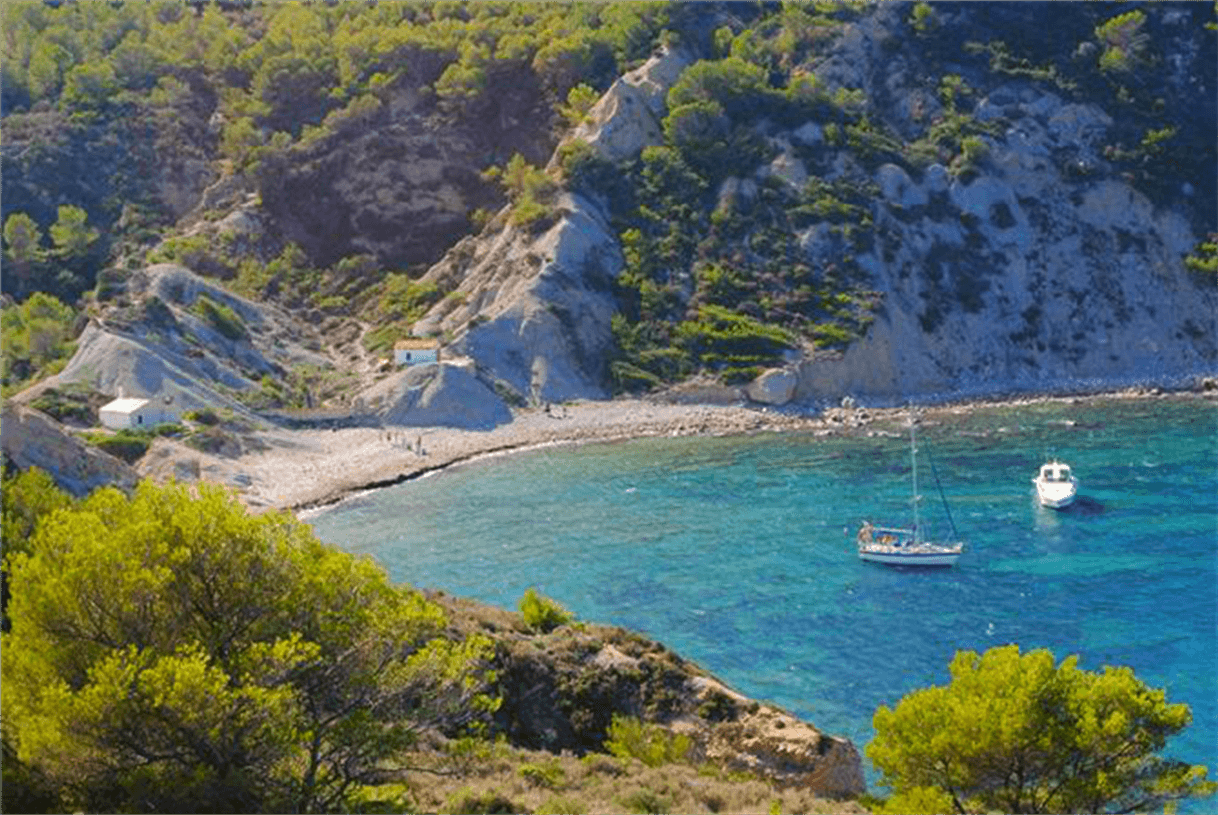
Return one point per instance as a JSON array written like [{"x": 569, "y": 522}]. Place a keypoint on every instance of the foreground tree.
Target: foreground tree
[
  {"x": 1015, "y": 733},
  {"x": 170, "y": 652}
]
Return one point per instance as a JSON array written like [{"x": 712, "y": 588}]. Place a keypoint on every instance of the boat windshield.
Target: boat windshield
[{"x": 1055, "y": 473}]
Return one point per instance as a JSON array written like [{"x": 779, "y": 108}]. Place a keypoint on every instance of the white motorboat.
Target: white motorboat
[
  {"x": 1056, "y": 486},
  {"x": 898, "y": 546}
]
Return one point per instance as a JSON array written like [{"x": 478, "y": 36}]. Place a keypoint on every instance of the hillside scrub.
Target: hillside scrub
[
  {"x": 170, "y": 650},
  {"x": 258, "y": 81},
  {"x": 37, "y": 338},
  {"x": 283, "y": 102}
]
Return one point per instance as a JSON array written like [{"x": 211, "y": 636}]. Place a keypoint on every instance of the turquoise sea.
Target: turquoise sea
[{"x": 738, "y": 552}]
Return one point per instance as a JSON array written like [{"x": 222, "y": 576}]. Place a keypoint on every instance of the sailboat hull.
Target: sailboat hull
[{"x": 931, "y": 557}]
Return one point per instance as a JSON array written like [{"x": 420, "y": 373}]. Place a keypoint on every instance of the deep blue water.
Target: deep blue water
[{"x": 738, "y": 552}]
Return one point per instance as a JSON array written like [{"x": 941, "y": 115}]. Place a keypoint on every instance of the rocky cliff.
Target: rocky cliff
[
  {"x": 562, "y": 688},
  {"x": 1050, "y": 259},
  {"x": 1041, "y": 269}
]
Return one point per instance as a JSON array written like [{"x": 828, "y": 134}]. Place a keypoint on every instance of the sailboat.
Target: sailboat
[{"x": 898, "y": 546}]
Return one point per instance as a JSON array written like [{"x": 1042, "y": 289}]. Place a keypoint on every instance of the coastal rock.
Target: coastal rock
[
  {"x": 775, "y": 387},
  {"x": 561, "y": 690},
  {"x": 780, "y": 748},
  {"x": 1025, "y": 277},
  {"x": 534, "y": 311},
  {"x": 440, "y": 395},
  {"x": 33, "y": 439}
]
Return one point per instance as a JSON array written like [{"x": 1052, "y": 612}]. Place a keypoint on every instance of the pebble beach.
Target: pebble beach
[{"x": 301, "y": 470}]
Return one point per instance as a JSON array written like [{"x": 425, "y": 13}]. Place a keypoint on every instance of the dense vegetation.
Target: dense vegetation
[
  {"x": 716, "y": 276},
  {"x": 1015, "y": 733},
  {"x": 168, "y": 651}
]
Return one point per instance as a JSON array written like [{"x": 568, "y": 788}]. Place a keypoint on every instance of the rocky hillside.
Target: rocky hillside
[
  {"x": 884, "y": 201},
  {"x": 561, "y": 689}
]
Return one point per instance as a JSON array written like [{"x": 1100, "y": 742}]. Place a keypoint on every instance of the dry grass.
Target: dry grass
[{"x": 507, "y": 779}]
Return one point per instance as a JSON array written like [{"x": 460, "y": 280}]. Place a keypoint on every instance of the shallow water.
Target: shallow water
[{"x": 738, "y": 552}]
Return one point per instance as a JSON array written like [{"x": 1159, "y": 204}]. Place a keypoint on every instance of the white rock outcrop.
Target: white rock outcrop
[
  {"x": 534, "y": 310},
  {"x": 175, "y": 352},
  {"x": 439, "y": 395},
  {"x": 33, "y": 439},
  {"x": 1024, "y": 278}
]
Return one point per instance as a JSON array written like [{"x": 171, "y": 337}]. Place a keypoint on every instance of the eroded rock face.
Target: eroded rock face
[
  {"x": 399, "y": 182},
  {"x": 780, "y": 748},
  {"x": 33, "y": 439},
  {"x": 1025, "y": 277},
  {"x": 160, "y": 346},
  {"x": 627, "y": 118},
  {"x": 437, "y": 395},
  {"x": 561, "y": 690},
  {"x": 534, "y": 311}
]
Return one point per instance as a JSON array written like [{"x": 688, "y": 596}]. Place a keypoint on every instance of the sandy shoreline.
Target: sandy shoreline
[{"x": 303, "y": 470}]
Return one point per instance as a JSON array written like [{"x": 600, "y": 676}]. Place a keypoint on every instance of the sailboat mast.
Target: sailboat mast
[{"x": 913, "y": 457}]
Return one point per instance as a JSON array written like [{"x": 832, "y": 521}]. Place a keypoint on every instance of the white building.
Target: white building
[
  {"x": 134, "y": 413},
  {"x": 416, "y": 351}
]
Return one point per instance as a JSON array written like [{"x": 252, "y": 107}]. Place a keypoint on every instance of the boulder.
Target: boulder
[
  {"x": 774, "y": 387},
  {"x": 898, "y": 188}
]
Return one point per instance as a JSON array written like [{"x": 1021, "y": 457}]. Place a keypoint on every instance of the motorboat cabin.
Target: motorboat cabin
[{"x": 1056, "y": 486}]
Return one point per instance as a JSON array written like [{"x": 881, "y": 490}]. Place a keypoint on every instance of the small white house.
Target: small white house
[
  {"x": 416, "y": 351},
  {"x": 134, "y": 413}
]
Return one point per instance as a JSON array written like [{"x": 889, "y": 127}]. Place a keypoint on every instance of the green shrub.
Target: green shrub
[
  {"x": 195, "y": 252},
  {"x": 125, "y": 444},
  {"x": 922, "y": 18},
  {"x": 468, "y": 802},
  {"x": 560, "y": 805},
  {"x": 213, "y": 440},
  {"x": 651, "y": 744},
  {"x": 644, "y": 801},
  {"x": 1204, "y": 260},
  {"x": 739, "y": 375},
  {"x": 549, "y": 775},
  {"x": 206, "y": 416},
  {"x": 532, "y": 191},
  {"x": 631, "y": 378},
  {"x": 71, "y": 403},
  {"x": 220, "y": 317},
  {"x": 541, "y": 613}
]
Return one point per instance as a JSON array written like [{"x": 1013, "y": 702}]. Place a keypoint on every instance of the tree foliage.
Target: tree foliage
[
  {"x": 38, "y": 339},
  {"x": 1017, "y": 733},
  {"x": 170, "y": 651}
]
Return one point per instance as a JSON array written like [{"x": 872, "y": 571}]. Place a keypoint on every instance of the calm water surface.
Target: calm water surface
[{"x": 737, "y": 552}]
